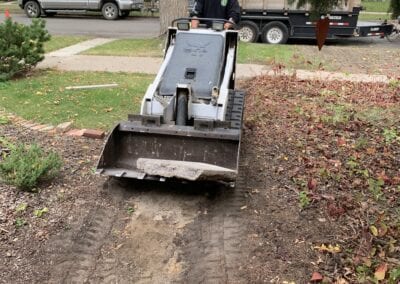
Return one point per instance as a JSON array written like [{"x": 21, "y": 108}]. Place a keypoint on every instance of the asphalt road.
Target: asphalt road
[
  {"x": 147, "y": 27},
  {"x": 132, "y": 27}
]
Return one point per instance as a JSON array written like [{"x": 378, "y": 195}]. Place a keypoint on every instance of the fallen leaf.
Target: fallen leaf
[
  {"x": 380, "y": 272},
  {"x": 335, "y": 211},
  {"x": 383, "y": 229},
  {"x": 328, "y": 197},
  {"x": 367, "y": 262},
  {"x": 312, "y": 184},
  {"x": 341, "y": 141},
  {"x": 316, "y": 277},
  {"x": 341, "y": 281},
  {"x": 329, "y": 248},
  {"x": 373, "y": 230}
]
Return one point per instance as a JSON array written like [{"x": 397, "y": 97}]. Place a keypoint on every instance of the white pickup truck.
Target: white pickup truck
[{"x": 110, "y": 9}]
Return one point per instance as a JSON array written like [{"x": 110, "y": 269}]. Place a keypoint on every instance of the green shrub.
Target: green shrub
[
  {"x": 26, "y": 166},
  {"x": 21, "y": 47}
]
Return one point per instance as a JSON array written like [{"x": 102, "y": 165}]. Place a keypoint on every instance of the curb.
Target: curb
[{"x": 61, "y": 129}]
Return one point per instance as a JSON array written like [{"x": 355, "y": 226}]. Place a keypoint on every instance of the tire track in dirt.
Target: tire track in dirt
[
  {"x": 73, "y": 254},
  {"x": 212, "y": 243}
]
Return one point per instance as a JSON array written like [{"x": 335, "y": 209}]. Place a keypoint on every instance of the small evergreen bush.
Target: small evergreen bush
[
  {"x": 21, "y": 47},
  {"x": 26, "y": 166}
]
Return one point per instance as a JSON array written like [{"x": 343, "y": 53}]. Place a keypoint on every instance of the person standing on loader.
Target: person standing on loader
[{"x": 216, "y": 9}]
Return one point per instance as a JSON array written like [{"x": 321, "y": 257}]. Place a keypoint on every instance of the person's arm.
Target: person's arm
[
  {"x": 233, "y": 11},
  {"x": 197, "y": 12}
]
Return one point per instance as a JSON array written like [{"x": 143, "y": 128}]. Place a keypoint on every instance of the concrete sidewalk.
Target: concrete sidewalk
[
  {"x": 68, "y": 59},
  {"x": 80, "y": 47}
]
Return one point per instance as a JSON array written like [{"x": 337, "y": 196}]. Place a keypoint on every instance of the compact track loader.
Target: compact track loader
[{"x": 189, "y": 126}]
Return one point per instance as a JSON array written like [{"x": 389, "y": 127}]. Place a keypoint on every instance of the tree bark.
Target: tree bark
[{"x": 170, "y": 10}]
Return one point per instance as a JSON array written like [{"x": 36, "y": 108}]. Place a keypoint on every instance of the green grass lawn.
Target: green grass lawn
[
  {"x": 260, "y": 53},
  {"x": 247, "y": 52},
  {"x": 58, "y": 42},
  {"x": 373, "y": 17},
  {"x": 43, "y": 98},
  {"x": 12, "y": 8},
  {"x": 376, "y": 6},
  {"x": 130, "y": 47}
]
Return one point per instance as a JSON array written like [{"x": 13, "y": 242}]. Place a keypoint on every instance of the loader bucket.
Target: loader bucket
[{"x": 169, "y": 151}]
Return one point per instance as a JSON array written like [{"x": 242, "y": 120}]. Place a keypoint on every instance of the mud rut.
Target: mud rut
[{"x": 145, "y": 232}]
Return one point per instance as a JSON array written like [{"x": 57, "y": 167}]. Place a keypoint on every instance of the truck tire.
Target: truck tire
[
  {"x": 275, "y": 33},
  {"x": 110, "y": 11},
  {"x": 182, "y": 109},
  {"x": 32, "y": 9},
  {"x": 248, "y": 31}
]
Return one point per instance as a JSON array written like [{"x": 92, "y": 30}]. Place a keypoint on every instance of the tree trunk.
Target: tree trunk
[
  {"x": 170, "y": 10},
  {"x": 395, "y": 8}
]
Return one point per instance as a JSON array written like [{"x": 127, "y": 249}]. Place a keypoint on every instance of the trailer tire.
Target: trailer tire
[
  {"x": 182, "y": 109},
  {"x": 248, "y": 31},
  {"x": 393, "y": 36},
  {"x": 275, "y": 33},
  {"x": 110, "y": 11},
  {"x": 32, "y": 9}
]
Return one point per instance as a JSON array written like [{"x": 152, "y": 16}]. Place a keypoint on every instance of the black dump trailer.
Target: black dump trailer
[{"x": 276, "y": 21}]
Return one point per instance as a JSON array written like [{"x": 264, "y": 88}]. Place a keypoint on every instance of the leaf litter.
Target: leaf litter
[{"x": 341, "y": 143}]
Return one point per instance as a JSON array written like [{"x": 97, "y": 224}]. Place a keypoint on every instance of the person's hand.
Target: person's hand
[
  {"x": 228, "y": 26},
  {"x": 195, "y": 23}
]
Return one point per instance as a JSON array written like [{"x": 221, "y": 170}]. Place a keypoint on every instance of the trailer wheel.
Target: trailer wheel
[
  {"x": 248, "y": 31},
  {"x": 110, "y": 11},
  {"x": 32, "y": 9},
  {"x": 275, "y": 33},
  {"x": 182, "y": 109},
  {"x": 393, "y": 36}
]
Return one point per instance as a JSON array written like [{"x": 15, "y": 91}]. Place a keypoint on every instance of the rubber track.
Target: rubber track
[
  {"x": 235, "y": 109},
  {"x": 213, "y": 242}
]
